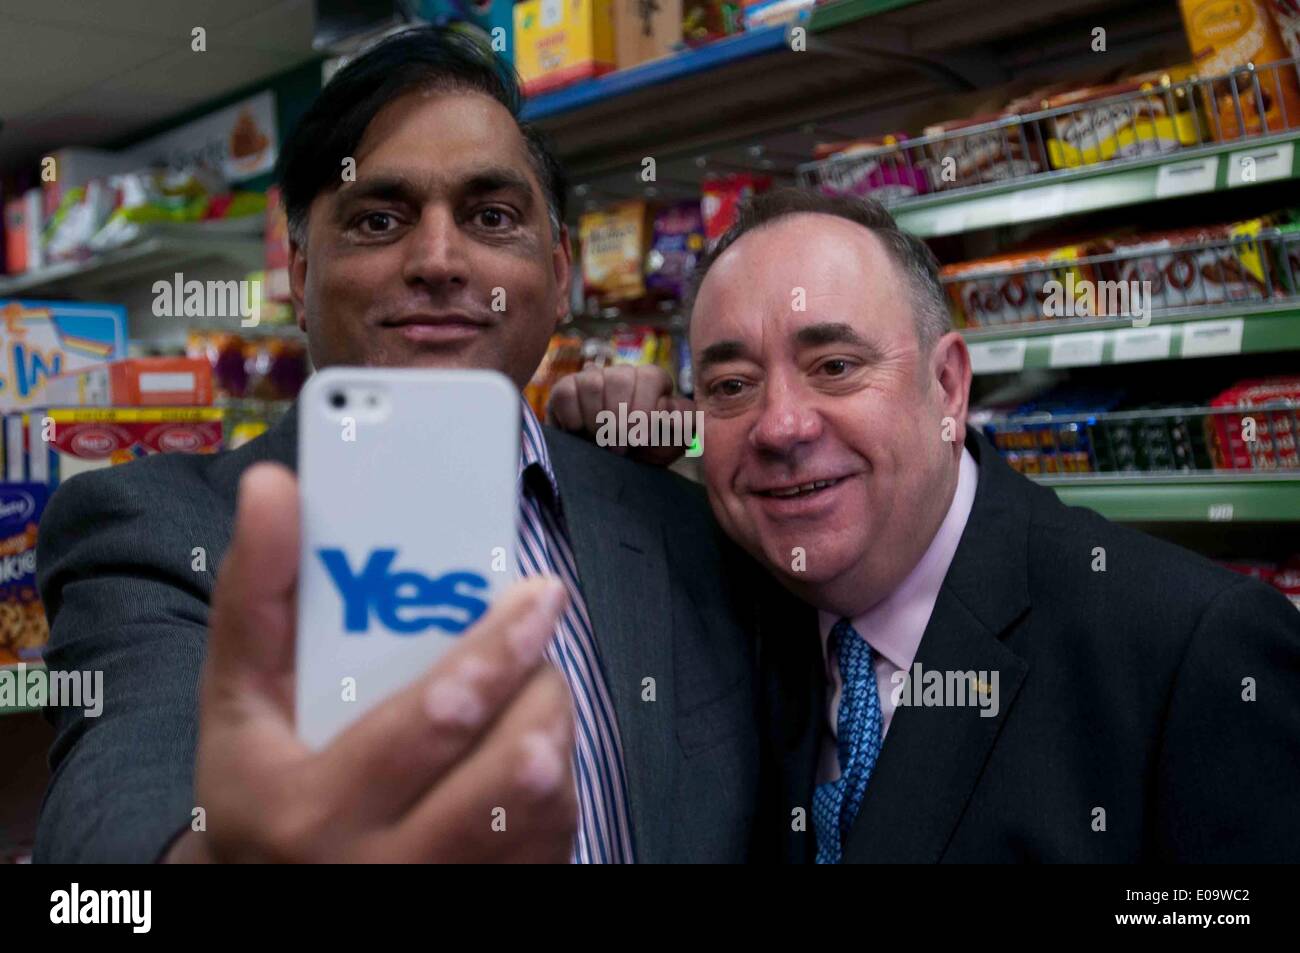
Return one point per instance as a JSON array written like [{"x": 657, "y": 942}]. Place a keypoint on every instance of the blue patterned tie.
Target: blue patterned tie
[{"x": 858, "y": 733}]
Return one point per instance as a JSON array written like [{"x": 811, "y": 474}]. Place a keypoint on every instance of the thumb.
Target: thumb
[{"x": 253, "y": 624}]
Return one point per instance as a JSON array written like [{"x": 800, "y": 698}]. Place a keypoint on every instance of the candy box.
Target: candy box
[
  {"x": 879, "y": 168},
  {"x": 135, "y": 382},
  {"x": 722, "y": 197},
  {"x": 676, "y": 246},
  {"x": 558, "y": 42},
  {"x": 1015, "y": 289},
  {"x": 1120, "y": 121},
  {"x": 42, "y": 339},
  {"x": 614, "y": 245},
  {"x": 23, "y": 630},
  {"x": 91, "y": 439}
]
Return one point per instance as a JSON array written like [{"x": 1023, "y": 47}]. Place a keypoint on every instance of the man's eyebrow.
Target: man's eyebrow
[
  {"x": 497, "y": 179},
  {"x": 721, "y": 353},
  {"x": 393, "y": 187},
  {"x": 828, "y": 332},
  {"x": 836, "y": 332}
]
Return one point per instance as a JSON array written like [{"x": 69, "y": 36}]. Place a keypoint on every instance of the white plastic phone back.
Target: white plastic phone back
[{"x": 408, "y": 520}]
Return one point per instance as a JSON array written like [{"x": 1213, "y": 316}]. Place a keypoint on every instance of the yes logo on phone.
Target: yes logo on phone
[{"x": 404, "y": 602}]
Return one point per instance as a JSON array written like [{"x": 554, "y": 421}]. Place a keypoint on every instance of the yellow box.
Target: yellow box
[{"x": 558, "y": 42}]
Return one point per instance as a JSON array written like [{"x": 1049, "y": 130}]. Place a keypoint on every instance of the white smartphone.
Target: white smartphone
[{"x": 407, "y": 486}]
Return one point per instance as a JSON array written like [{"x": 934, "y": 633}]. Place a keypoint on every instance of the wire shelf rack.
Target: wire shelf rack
[{"x": 1139, "y": 120}]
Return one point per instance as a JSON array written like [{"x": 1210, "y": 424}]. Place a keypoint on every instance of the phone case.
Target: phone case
[{"x": 408, "y": 502}]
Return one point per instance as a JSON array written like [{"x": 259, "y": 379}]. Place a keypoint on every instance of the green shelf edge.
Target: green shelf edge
[
  {"x": 1191, "y": 502},
  {"x": 1262, "y": 332},
  {"x": 1071, "y": 193},
  {"x": 20, "y": 709}
]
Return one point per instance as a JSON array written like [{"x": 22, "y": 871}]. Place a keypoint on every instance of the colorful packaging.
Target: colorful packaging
[
  {"x": 1226, "y": 35},
  {"x": 1120, "y": 125},
  {"x": 267, "y": 368},
  {"x": 1014, "y": 288},
  {"x": 637, "y": 346},
  {"x": 1184, "y": 273},
  {"x": 614, "y": 246},
  {"x": 23, "y": 629},
  {"x": 1286, "y": 17},
  {"x": 135, "y": 382},
  {"x": 42, "y": 339},
  {"x": 645, "y": 31},
  {"x": 721, "y": 198},
  {"x": 760, "y": 13},
  {"x": 563, "y": 357},
  {"x": 981, "y": 155},
  {"x": 91, "y": 439},
  {"x": 1287, "y": 580},
  {"x": 677, "y": 244},
  {"x": 885, "y": 173},
  {"x": 276, "y": 243},
  {"x": 558, "y": 42},
  {"x": 1272, "y": 404},
  {"x": 704, "y": 21},
  {"x": 24, "y": 222}
]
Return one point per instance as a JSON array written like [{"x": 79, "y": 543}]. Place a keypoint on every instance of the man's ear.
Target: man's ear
[
  {"x": 298, "y": 283},
  {"x": 562, "y": 262},
  {"x": 950, "y": 370}
]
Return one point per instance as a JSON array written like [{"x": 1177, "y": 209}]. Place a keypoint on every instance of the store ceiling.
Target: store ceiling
[{"x": 74, "y": 72}]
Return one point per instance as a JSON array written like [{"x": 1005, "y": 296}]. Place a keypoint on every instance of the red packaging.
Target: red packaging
[{"x": 722, "y": 198}]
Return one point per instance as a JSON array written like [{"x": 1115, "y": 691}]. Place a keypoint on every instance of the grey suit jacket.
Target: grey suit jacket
[{"x": 669, "y": 599}]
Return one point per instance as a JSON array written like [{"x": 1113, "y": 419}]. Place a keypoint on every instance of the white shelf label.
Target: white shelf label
[
  {"x": 1036, "y": 204},
  {"x": 1143, "y": 344},
  {"x": 997, "y": 357},
  {"x": 1204, "y": 338},
  {"x": 950, "y": 221},
  {"x": 1187, "y": 178},
  {"x": 1220, "y": 513},
  {"x": 1261, "y": 164},
  {"x": 1077, "y": 350}
]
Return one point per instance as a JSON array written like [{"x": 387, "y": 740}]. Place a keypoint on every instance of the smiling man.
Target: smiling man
[
  {"x": 444, "y": 249},
  {"x": 976, "y": 685}
]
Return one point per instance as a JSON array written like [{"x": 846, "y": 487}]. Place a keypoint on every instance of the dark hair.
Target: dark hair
[
  {"x": 913, "y": 256},
  {"x": 311, "y": 158}
]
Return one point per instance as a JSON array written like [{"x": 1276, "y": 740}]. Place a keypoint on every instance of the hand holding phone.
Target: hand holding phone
[{"x": 421, "y": 776}]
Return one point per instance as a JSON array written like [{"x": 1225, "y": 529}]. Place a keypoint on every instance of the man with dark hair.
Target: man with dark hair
[
  {"x": 991, "y": 676},
  {"x": 642, "y": 746}
]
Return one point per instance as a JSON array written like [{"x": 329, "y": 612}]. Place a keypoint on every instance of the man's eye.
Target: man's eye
[
  {"x": 836, "y": 367},
  {"x": 730, "y": 387},
  {"x": 376, "y": 222},
  {"x": 493, "y": 218}
]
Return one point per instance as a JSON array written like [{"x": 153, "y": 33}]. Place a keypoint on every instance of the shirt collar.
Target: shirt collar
[
  {"x": 532, "y": 448},
  {"x": 894, "y": 626}
]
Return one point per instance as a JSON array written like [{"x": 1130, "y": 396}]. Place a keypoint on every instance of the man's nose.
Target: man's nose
[
  {"x": 435, "y": 251},
  {"x": 785, "y": 421}
]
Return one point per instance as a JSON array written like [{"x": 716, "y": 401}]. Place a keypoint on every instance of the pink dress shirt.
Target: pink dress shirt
[{"x": 893, "y": 627}]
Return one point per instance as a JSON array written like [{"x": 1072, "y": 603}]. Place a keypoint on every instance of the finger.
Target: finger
[
  {"x": 562, "y": 410},
  {"x": 251, "y": 627},
  {"x": 514, "y": 798},
  {"x": 653, "y": 385},
  {"x": 590, "y": 385},
  {"x": 408, "y": 742},
  {"x": 620, "y": 387}
]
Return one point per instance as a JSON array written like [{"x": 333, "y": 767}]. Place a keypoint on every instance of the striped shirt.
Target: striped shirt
[{"x": 604, "y": 828}]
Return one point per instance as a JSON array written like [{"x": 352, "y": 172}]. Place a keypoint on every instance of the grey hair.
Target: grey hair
[{"x": 920, "y": 267}]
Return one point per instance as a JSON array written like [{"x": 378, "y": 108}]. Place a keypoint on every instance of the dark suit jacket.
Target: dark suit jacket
[
  {"x": 1120, "y": 690},
  {"x": 114, "y": 569}
]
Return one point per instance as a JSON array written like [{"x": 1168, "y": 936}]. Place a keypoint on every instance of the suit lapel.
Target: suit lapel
[
  {"x": 623, "y": 569},
  {"x": 933, "y": 756}
]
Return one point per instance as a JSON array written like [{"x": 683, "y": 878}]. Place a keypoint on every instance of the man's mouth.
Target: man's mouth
[
  {"x": 436, "y": 327},
  {"x": 793, "y": 490}
]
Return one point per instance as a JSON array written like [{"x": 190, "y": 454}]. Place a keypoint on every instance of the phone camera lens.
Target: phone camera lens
[{"x": 338, "y": 399}]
